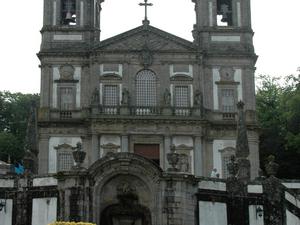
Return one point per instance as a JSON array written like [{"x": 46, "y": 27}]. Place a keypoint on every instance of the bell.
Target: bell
[
  {"x": 69, "y": 18},
  {"x": 69, "y": 9}
]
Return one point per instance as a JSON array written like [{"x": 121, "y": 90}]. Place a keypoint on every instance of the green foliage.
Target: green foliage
[
  {"x": 278, "y": 111},
  {"x": 14, "y": 112}
]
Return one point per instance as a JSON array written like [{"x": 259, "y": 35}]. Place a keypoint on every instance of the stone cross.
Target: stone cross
[{"x": 146, "y": 4}]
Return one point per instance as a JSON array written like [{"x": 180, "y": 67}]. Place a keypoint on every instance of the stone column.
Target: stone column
[
  {"x": 198, "y": 156},
  {"x": 95, "y": 148},
  {"x": 167, "y": 149},
  {"x": 124, "y": 143}
]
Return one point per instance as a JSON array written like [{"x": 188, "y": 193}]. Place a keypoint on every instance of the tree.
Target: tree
[
  {"x": 14, "y": 113},
  {"x": 278, "y": 111}
]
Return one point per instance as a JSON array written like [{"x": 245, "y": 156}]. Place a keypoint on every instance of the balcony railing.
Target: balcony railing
[
  {"x": 145, "y": 110},
  {"x": 46, "y": 114},
  {"x": 182, "y": 111},
  {"x": 65, "y": 114},
  {"x": 110, "y": 110}
]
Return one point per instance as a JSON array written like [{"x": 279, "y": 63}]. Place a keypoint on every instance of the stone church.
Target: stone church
[{"x": 146, "y": 128}]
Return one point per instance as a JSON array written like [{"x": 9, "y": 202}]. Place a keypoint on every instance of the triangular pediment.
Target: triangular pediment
[{"x": 148, "y": 37}]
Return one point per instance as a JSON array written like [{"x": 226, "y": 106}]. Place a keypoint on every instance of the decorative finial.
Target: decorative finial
[
  {"x": 146, "y": 4},
  {"x": 240, "y": 105}
]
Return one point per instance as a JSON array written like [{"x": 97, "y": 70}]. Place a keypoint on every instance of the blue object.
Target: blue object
[{"x": 19, "y": 169}]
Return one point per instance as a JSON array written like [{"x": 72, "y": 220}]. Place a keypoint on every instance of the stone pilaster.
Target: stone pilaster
[
  {"x": 124, "y": 143},
  {"x": 95, "y": 148},
  {"x": 198, "y": 156}
]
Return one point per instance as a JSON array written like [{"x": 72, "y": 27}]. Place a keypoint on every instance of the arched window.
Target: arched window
[{"x": 146, "y": 90}]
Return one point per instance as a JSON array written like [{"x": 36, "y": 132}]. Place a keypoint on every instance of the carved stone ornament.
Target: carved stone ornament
[
  {"x": 184, "y": 164},
  {"x": 66, "y": 72},
  {"x": 173, "y": 159},
  {"x": 167, "y": 97},
  {"x": 109, "y": 148},
  {"x": 63, "y": 146},
  {"x": 126, "y": 193},
  {"x": 227, "y": 74},
  {"x": 198, "y": 99},
  {"x": 95, "y": 97},
  {"x": 125, "y": 97},
  {"x": 146, "y": 57}
]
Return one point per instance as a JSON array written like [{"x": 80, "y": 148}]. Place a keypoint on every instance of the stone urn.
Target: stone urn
[{"x": 78, "y": 155}]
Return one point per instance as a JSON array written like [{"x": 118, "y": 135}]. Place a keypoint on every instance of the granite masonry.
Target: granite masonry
[{"x": 146, "y": 128}]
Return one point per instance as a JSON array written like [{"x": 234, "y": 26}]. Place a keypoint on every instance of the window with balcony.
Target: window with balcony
[
  {"x": 182, "y": 97},
  {"x": 67, "y": 98},
  {"x": 182, "y": 100},
  {"x": 146, "y": 90},
  {"x": 111, "y": 95},
  {"x": 111, "y": 98},
  {"x": 228, "y": 101}
]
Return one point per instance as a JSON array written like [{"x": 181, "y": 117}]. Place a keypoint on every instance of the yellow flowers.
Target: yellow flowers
[{"x": 71, "y": 223}]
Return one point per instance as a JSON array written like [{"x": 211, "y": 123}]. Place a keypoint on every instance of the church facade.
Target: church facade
[
  {"x": 147, "y": 128},
  {"x": 146, "y": 91}
]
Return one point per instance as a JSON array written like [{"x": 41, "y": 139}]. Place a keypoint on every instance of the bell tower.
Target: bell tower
[
  {"x": 226, "y": 22},
  {"x": 69, "y": 22}
]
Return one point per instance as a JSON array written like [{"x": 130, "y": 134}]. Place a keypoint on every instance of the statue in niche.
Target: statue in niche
[
  {"x": 95, "y": 97},
  {"x": 167, "y": 97},
  {"x": 184, "y": 163},
  {"x": 198, "y": 99},
  {"x": 125, "y": 97}
]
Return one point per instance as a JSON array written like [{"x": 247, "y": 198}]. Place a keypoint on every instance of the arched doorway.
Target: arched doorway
[{"x": 126, "y": 190}]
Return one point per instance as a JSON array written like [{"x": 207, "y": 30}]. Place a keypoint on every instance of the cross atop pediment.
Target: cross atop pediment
[{"x": 146, "y": 4}]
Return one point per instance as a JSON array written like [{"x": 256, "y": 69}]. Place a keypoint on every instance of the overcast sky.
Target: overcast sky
[{"x": 276, "y": 24}]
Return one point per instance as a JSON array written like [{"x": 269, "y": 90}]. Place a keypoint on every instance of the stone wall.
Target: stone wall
[{"x": 173, "y": 198}]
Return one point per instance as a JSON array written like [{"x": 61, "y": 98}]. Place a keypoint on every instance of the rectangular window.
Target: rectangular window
[
  {"x": 182, "y": 98},
  {"x": 227, "y": 100},
  {"x": 65, "y": 161},
  {"x": 67, "y": 99},
  {"x": 111, "y": 95},
  {"x": 150, "y": 151}
]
